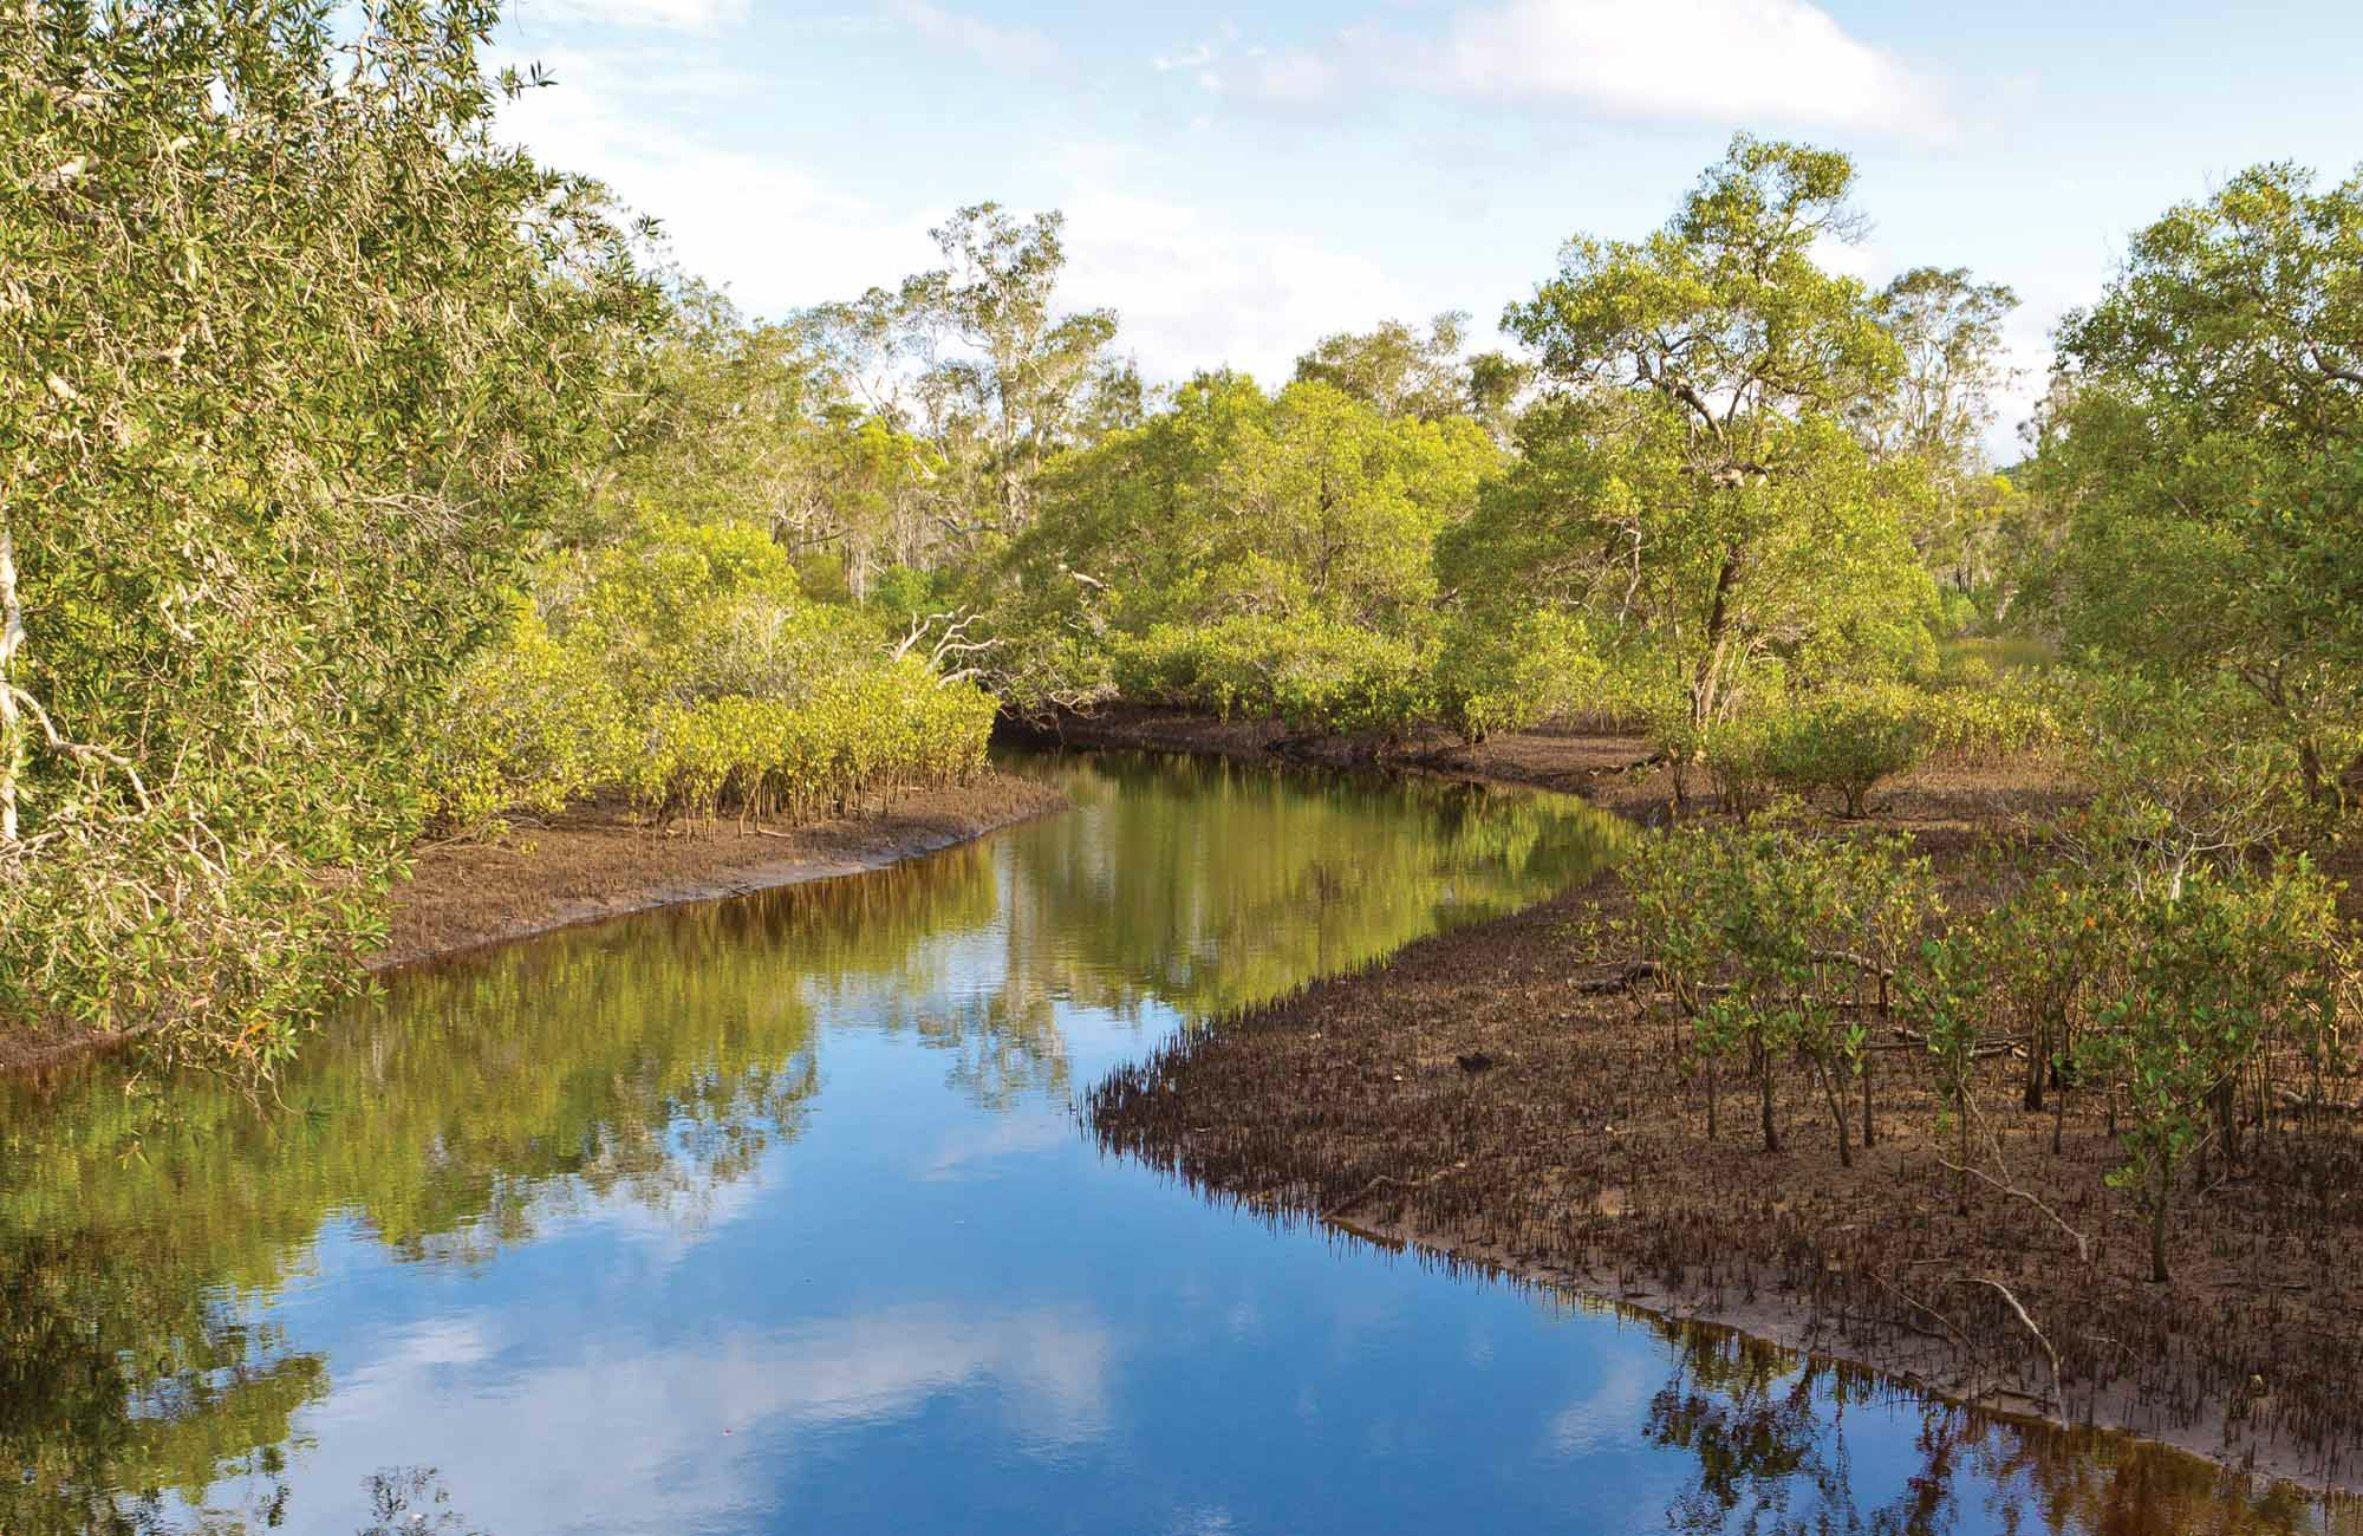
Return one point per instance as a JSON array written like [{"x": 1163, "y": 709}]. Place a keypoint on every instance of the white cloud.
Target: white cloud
[
  {"x": 1194, "y": 292},
  {"x": 1720, "y": 60},
  {"x": 1191, "y": 290},
  {"x": 671, "y": 15},
  {"x": 1741, "y": 62},
  {"x": 1008, "y": 48},
  {"x": 776, "y": 235},
  {"x": 631, "y": 1434}
]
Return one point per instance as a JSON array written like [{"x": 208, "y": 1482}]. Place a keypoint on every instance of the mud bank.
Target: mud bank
[
  {"x": 587, "y": 867},
  {"x": 1489, "y": 1098}
]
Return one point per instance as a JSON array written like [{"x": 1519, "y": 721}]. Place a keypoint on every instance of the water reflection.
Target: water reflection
[
  {"x": 770, "y": 1215},
  {"x": 1768, "y": 1436}
]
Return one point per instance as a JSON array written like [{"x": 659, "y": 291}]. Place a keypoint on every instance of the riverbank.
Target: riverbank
[
  {"x": 1614, "y": 770},
  {"x": 1489, "y": 1096},
  {"x": 590, "y": 866}
]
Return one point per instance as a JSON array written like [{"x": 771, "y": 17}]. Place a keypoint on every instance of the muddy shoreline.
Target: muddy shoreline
[
  {"x": 588, "y": 867},
  {"x": 1574, "y": 1156},
  {"x": 591, "y": 865}
]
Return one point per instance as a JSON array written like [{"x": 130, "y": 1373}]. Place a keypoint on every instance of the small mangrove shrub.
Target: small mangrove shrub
[
  {"x": 684, "y": 671},
  {"x": 1843, "y": 744},
  {"x": 1314, "y": 674}
]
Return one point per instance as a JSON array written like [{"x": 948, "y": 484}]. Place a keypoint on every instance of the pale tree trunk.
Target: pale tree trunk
[
  {"x": 1706, "y": 680},
  {"x": 12, "y": 723}
]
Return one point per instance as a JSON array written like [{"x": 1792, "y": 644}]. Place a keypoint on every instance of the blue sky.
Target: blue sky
[{"x": 1240, "y": 181}]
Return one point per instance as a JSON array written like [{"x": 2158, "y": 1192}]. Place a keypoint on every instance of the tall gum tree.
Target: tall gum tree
[
  {"x": 978, "y": 357},
  {"x": 1696, "y": 474}
]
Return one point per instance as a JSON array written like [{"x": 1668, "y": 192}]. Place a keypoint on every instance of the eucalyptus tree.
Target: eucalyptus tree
[
  {"x": 1969, "y": 521},
  {"x": 2205, "y": 446},
  {"x": 1948, "y": 328},
  {"x": 294, "y": 353},
  {"x": 1696, "y": 476},
  {"x": 1004, "y": 380}
]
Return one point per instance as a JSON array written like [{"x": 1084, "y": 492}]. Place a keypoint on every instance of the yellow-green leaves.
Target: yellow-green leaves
[{"x": 292, "y": 357}]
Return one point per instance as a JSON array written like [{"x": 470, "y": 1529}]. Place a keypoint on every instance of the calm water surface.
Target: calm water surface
[{"x": 774, "y": 1216}]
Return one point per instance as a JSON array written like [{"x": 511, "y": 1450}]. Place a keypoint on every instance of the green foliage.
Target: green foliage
[
  {"x": 850, "y": 738},
  {"x": 1942, "y": 993},
  {"x": 682, "y": 669},
  {"x": 1398, "y": 372},
  {"x": 295, "y": 352},
  {"x": 1736, "y": 753},
  {"x": 1699, "y": 476},
  {"x": 534, "y": 726},
  {"x": 2208, "y": 973},
  {"x": 2179, "y": 986},
  {"x": 1765, "y": 936},
  {"x": 2182, "y": 770},
  {"x": 1843, "y": 742},
  {"x": 1318, "y": 677},
  {"x": 1542, "y": 666},
  {"x": 2204, "y": 445},
  {"x": 1973, "y": 722},
  {"x": 979, "y": 356},
  {"x": 1301, "y": 522}
]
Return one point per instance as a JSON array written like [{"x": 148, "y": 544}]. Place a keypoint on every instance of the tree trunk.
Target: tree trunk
[
  {"x": 2161, "y": 1203},
  {"x": 2319, "y": 788},
  {"x": 2038, "y": 1062},
  {"x": 1705, "y": 681},
  {"x": 1886, "y": 1005},
  {"x": 1764, "y": 1099},
  {"x": 1837, "y": 1101},
  {"x": 1961, "y": 1126},
  {"x": 13, "y": 730}
]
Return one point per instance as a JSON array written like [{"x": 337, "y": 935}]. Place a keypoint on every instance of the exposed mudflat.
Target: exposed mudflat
[
  {"x": 591, "y": 865},
  {"x": 1474, "y": 1097}
]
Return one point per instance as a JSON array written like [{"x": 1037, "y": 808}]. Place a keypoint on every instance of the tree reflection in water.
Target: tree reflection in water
[
  {"x": 1767, "y": 1435},
  {"x": 144, "y": 1226},
  {"x": 148, "y": 1229}
]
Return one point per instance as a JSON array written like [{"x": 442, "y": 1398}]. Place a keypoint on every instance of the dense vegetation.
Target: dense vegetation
[{"x": 362, "y": 481}]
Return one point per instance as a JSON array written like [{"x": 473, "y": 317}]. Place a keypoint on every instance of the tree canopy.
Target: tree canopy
[
  {"x": 2205, "y": 449},
  {"x": 1696, "y": 476}
]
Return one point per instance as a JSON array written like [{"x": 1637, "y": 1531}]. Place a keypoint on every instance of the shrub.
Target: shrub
[
  {"x": 533, "y": 727},
  {"x": 2209, "y": 972},
  {"x": 1792, "y": 924},
  {"x": 1974, "y": 724},
  {"x": 1491, "y": 677},
  {"x": 1737, "y": 755},
  {"x": 1846, "y": 743},
  {"x": 896, "y": 727},
  {"x": 682, "y": 669},
  {"x": 1312, "y": 673}
]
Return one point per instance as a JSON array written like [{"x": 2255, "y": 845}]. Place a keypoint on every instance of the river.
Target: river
[{"x": 774, "y": 1215}]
